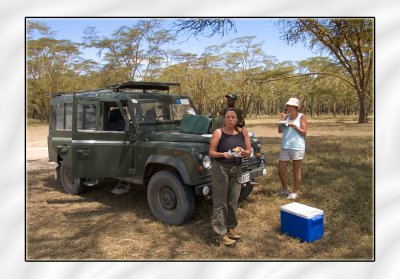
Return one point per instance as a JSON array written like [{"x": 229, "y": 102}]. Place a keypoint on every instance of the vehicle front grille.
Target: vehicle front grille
[{"x": 245, "y": 163}]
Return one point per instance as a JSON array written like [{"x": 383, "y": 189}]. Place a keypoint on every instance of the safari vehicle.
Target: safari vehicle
[{"x": 139, "y": 133}]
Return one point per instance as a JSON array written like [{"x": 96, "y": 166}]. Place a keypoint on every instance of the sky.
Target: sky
[{"x": 264, "y": 29}]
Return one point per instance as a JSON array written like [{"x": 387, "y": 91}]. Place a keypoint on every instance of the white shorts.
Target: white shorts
[{"x": 290, "y": 154}]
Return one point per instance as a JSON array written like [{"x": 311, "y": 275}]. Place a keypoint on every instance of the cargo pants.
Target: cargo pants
[{"x": 226, "y": 182}]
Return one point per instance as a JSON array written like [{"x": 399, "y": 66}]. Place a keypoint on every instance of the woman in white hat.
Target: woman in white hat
[{"x": 293, "y": 130}]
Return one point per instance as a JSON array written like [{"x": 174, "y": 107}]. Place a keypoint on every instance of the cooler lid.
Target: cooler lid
[{"x": 301, "y": 210}]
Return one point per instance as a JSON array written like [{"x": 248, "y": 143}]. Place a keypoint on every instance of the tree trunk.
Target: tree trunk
[
  {"x": 334, "y": 108},
  {"x": 362, "y": 117}
]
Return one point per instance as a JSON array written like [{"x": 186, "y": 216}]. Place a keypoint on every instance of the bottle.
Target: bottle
[{"x": 262, "y": 164}]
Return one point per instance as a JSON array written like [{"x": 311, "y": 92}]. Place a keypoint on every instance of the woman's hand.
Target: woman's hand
[
  {"x": 226, "y": 155},
  {"x": 243, "y": 152}
]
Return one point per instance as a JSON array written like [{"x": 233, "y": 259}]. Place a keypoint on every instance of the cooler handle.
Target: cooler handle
[{"x": 317, "y": 221}]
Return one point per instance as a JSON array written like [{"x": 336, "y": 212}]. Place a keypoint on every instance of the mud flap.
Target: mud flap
[{"x": 57, "y": 173}]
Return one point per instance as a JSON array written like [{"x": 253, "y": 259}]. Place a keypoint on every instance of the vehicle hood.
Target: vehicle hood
[{"x": 175, "y": 136}]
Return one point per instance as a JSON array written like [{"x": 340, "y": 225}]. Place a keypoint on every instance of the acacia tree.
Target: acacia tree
[
  {"x": 349, "y": 41},
  {"x": 324, "y": 84},
  {"x": 199, "y": 78},
  {"x": 51, "y": 66},
  {"x": 204, "y": 26},
  {"x": 136, "y": 48},
  {"x": 243, "y": 61}
]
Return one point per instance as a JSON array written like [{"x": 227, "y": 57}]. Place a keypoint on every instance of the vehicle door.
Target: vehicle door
[{"x": 100, "y": 145}]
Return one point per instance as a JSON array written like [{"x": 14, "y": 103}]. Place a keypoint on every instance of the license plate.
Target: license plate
[{"x": 245, "y": 177}]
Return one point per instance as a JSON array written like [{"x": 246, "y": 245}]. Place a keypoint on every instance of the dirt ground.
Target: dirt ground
[
  {"x": 99, "y": 225},
  {"x": 36, "y": 148}
]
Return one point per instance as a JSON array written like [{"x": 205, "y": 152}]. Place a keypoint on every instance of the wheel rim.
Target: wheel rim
[
  {"x": 167, "y": 198},
  {"x": 68, "y": 176}
]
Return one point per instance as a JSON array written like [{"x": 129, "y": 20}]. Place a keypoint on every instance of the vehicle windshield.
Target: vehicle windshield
[{"x": 161, "y": 110}]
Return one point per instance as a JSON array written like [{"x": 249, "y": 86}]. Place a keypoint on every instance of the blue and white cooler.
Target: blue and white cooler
[{"x": 302, "y": 221}]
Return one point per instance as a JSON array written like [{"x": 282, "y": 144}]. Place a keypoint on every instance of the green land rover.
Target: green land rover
[{"x": 139, "y": 133}]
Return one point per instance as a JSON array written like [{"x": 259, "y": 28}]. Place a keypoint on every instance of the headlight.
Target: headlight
[{"x": 207, "y": 162}]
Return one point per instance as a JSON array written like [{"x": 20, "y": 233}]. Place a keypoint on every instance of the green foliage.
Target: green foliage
[
  {"x": 348, "y": 41},
  {"x": 263, "y": 84},
  {"x": 51, "y": 66},
  {"x": 136, "y": 48}
]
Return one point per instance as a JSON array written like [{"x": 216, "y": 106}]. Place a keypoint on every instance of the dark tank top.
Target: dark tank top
[{"x": 228, "y": 142}]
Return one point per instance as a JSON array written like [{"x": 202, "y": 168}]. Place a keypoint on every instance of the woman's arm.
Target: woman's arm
[
  {"x": 246, "y": 152},
  {"x": 282, "y": 117},
  {"x": 303, "y": 126}
]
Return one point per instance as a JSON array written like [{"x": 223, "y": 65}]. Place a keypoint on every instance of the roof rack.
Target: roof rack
[
  {"x": 74, "y": 92},
  {"x": 143, "y": 85}
]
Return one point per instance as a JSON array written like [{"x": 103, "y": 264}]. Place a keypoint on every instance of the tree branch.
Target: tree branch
[{"x": 309, "y": 74}]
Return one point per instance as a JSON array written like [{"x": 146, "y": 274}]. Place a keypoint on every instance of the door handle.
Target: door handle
[
  {"x": 84, "y": 153},
  {"x": 62, "y": 149}
]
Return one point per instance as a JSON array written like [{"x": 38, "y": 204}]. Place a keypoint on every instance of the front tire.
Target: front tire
[
  {"x": 71, "y": 185},
  {"x": 246, "y": 191},
  {"x": 170, "y": 200}
]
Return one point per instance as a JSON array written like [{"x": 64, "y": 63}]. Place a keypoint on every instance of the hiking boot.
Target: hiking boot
[
  {"x": 226, "y": 241},
  {"x": 233, "y": 235},
  {"x": 121, "y": 188}
]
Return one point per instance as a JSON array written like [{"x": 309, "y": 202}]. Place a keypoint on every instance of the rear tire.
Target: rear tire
[
  {"x": 71, "y": 185},
  {"x": 170, "y": 200}
]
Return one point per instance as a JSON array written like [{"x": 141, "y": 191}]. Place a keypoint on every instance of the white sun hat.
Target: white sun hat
[{"x": 294, "y": 102}]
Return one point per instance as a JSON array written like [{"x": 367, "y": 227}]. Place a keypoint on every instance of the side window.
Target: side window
[
  {"x": 63, "y": 116},
  {"x": 114, "y": 121},
  {"x": 86, "y": 117}
]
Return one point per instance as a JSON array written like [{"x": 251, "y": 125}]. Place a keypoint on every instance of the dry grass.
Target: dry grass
[{"x": 98, "y": 225}]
